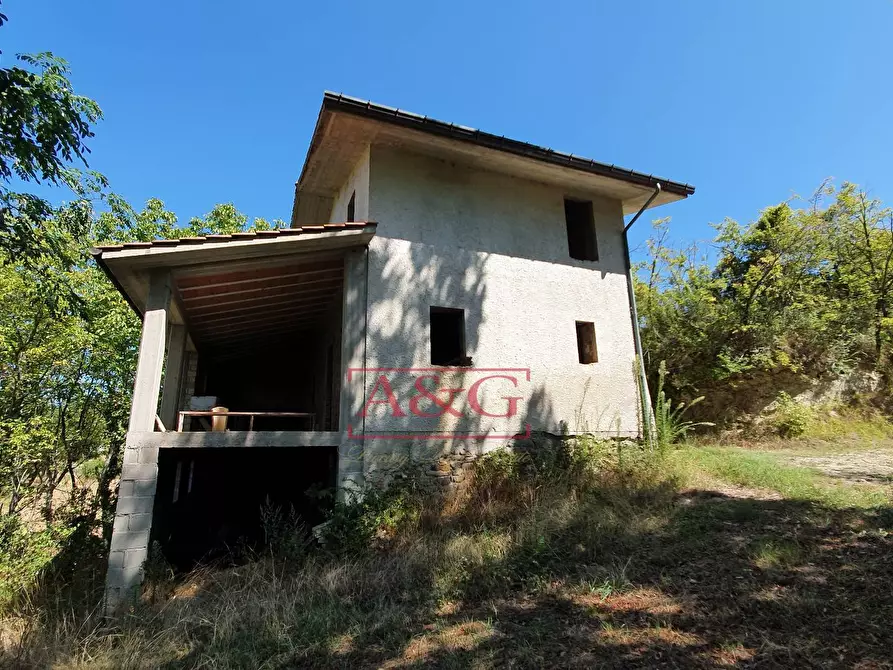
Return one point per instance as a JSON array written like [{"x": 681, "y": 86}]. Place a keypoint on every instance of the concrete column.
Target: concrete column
[
  {"x": 139, "y": 472},
  {"x": 151, "y": 357},
  {"x": 173, "y": 377},
  {"x": 353, "y": 358}
]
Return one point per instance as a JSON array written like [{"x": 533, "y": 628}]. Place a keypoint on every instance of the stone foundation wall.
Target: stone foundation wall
[{"x": 448, "y": 470}]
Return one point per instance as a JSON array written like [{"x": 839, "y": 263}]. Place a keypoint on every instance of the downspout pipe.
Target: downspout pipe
[{"x": 644, "y": 396}]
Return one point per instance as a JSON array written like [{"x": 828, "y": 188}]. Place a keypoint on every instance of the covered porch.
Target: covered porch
[{"x": 241, "y": 393}]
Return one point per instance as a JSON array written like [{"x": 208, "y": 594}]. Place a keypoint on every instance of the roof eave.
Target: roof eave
[{"x": 337, "y": 102}]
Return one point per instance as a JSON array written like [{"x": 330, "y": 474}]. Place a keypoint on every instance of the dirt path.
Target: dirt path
[{"x": 875, "y": 467}]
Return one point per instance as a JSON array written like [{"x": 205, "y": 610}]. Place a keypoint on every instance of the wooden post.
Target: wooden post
[{"x": 173, "y": 376}]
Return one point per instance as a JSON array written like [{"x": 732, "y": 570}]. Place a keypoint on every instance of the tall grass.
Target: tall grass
[{"x": 526, "y": 519}]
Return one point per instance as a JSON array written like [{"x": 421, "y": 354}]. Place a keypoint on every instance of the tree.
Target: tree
[
  {"x": 43, "y": 128},
  {"x": 225, "y": 219},
  {"x": 68, "y": 349},
  {"x": 792, "y": 296},
  {"x": 862, "y": 233}
]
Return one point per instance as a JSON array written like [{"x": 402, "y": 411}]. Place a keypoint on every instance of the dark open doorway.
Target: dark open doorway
[{"x": 208, "y": 502}]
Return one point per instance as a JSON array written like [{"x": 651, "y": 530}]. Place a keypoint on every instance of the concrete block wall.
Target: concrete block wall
[{"x": 133, "y": 523}]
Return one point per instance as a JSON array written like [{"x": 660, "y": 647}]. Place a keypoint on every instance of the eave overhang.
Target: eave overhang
[{"x": 346, "y": 127}]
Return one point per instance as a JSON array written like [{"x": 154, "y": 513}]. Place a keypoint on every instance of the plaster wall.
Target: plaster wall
[
  {"x": 496, "y": 246},
  {"x": 357, "y": 182}
]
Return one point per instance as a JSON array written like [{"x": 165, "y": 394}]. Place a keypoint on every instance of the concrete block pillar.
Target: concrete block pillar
[
  {"x": 353, "y": 360},
  {"x": 139, "y": 472}
]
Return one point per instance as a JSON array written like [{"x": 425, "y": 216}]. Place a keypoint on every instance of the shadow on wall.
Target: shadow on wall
[
  {"x": 413, "y": 278},
  {"x": 448, "y": 458}
]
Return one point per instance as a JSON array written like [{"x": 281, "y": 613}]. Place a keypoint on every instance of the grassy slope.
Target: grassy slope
[{"x": 644, "y": 565}]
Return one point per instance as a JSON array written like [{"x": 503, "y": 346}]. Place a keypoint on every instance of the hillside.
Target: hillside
[{"x": 766, "y": 555}]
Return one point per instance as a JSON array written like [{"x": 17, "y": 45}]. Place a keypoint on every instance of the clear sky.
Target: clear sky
[{"x": 752, "y": 101}]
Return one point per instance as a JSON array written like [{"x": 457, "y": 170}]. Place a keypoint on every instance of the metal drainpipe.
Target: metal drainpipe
[{"x": 644, "y": 395}]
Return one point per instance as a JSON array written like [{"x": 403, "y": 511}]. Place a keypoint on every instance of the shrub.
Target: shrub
[
  {"x": 792, "y": 419},
  {"x": 372, "y": 513},
  {"x": 670, "y": 427},
  {"x": 24, "y": 554}
]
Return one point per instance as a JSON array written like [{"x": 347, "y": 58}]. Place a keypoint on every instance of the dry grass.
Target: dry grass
[{"x": 573, "y": 567}]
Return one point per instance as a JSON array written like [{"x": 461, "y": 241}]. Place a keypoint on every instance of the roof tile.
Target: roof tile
[{"x": 248, "y": 235}]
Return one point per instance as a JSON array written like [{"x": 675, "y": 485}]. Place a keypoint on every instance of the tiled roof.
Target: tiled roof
[{"x": 236, "y": 237}]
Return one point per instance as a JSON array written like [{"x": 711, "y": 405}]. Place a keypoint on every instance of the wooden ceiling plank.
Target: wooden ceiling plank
[
  {"x": 211, "y": 333},
  {"x": 257, "y": 324},
  {"x": 246, "y": 305},
  {"x": 188, "y": 276},
  {"x": 280, "y": 279},
  {"x": 195, "y": 295},
  {"x": 249, "y": 314},
  {"x": 256, "y": 295}
]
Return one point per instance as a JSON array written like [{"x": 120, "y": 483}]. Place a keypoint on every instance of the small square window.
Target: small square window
[
  {"x": 586, "y": 348},
  {"x": 448, "y": 336},
  {"x": 352, "y": 207},
  {"x": 581, "y": 242}
]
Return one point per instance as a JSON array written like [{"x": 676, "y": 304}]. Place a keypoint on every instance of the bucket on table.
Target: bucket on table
[{"x": 218, "y": 423}]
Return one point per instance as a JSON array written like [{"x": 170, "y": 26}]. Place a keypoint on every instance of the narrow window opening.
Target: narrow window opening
[
  {"x": 448, "y": 337},
  {"x": 352, "y": 207},
  {"x": 586, "y": 348},
  {"x": 581, "y": 240}
]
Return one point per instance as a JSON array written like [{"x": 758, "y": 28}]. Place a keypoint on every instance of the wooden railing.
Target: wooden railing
[{"x": 280, "y": 415}]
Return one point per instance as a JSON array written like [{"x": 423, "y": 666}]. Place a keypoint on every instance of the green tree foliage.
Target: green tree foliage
[
  {"x": 43, "y": 128},
  {"x": 801, "y": 291},
  {"x": 68, "y": 348},
  {"x": 861, "y": 235}
]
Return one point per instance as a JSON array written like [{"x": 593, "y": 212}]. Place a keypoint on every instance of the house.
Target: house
[{"x": 440, "y": 291}]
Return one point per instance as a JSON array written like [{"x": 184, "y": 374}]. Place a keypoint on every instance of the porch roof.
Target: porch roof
[
  {"x": 229, "y": 288},
  {"x": 106, "y": 250}
]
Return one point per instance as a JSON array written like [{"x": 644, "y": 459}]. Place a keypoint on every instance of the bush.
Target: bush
[
  {"x": 371, "y": 514},
  {"x": 791, "y": 419}
]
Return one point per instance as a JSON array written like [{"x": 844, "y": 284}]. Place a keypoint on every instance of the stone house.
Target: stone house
[{"x": 440, "y": 291}]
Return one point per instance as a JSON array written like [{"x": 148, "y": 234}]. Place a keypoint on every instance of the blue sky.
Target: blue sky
[{"x": 210, "y": 102}]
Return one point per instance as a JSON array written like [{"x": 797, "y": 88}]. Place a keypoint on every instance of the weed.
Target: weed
[
  {"x": 670, "y": 426},
  {"x": 769, "y": 553},
  {"x": 285, "y": 534},
  {"x": 567, "y": 558},
  {"x": 373, "y": 513}
]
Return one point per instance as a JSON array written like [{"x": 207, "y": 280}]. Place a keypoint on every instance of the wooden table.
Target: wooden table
[{"x": 250, "y": 415}]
